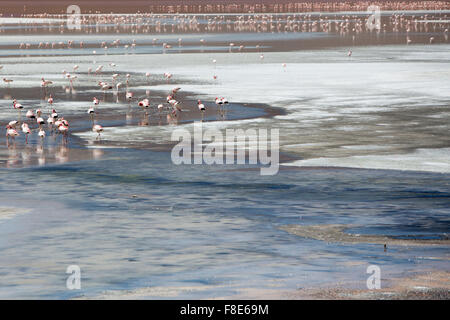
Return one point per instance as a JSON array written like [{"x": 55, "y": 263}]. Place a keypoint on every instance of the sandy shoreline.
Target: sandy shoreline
[
  {"x": 426, "y": 285},
  {"x": 431, "y": 285}
]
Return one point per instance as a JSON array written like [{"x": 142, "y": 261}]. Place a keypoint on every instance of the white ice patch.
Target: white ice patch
[{"x": 432, "y": 160}]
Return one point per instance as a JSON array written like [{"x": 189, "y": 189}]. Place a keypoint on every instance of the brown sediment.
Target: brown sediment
[
  {"x": 335, "y": 233},
  {"x": 432, "y": 285}
]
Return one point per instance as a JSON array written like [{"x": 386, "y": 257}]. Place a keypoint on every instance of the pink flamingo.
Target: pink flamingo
[
  {"x": 45, "y": 84},
  {"x": 30, "y": 115},
  {"x": 98, "y": 129},
  {"x": 18, "y": 107},
  {"x": 10, "y": 132},
  {"x": 26, "y": 130},
  {"x": 144, "y": 104},
  {"x": 91, "y": 112},
  {"x": 201, "y": 107},
  {"x": 63, "y": 129},
  {"x": 41, "y": 135}
]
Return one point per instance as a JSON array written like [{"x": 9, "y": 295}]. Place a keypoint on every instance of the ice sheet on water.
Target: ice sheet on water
[
  {"x": 433, "y": 160},
  {"x": 380, "y": 96}
]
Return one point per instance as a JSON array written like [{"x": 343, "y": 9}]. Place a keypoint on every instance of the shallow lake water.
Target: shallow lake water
[{"x": 364, "y": 139}]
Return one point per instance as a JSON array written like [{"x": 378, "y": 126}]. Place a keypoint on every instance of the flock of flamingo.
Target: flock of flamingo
[
  {"x": 344, "y": 23},
  {"x": 54, "y": 121},
  {"x": 57, "y": 124}
]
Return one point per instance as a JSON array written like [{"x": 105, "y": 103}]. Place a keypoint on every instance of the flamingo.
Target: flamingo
[
  {"x": 13, "y": 124},
  {"x": 57, "y": 123},
  {"x": 26, "y": 130},
  {"x": 50, "y": 100},
  {"x": 50, "y": 122},
  {"x": 7, "y": 81},
  {"x": 10, "y": 132},
  {"x": 175, "y": 105},
  {"x": 63, "y": 129},
  {"x": 91, "y": 112},
  {"x": 104, "y": 87},
  {"x": 201, "y": 107},
  {"x": 40, "y": 121},
  {"x": 219, "y": 103},
  {"x": 17, "y": 105},
  {"x": 95, "y": 101},
  {"x": 64, "y": 122},
  {"x": 144, "y": 104},
  {"x": 99, "y": 69},
  {"x": 41, "y": 135},
  {"x": 30, "y": 115},
  {"x": 98, "y": 129},
  {"x": 54, "y": 115},
  {"x": 167, "y": 76},
  {"x": 45, "y": 84}
]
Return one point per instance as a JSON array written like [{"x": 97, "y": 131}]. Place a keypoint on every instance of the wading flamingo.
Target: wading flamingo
[
  {"x": 98, "y": 129},
  {"x": 26, "y": 130},
  {"x": 10, "y": 133},
  {"x": 201, "y": 107}
]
